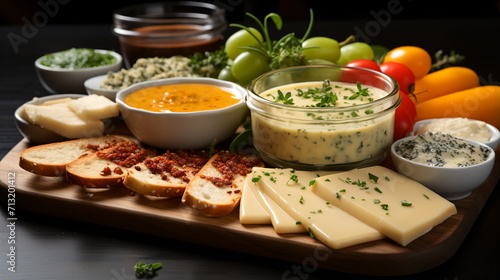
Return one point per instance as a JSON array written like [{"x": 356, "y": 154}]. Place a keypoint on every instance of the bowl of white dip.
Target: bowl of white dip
[
  {"x": 465, "y": 128},
  {"x": 450, "y": 166},
  {"x": 323, "y": 117}
]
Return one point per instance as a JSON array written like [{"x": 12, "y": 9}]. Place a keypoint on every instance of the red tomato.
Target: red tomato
[
  {"x": 405, "y": 118},
  {"x": 364, "y": 63},
  {"x": 401, "y": 73}
]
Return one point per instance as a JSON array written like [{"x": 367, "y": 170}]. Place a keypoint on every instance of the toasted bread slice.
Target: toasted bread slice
[
  {"x": 107, "y": 168},
  {"x": 166, "y": 175},
  {"x": 51, "y": 159},
  {"x": 216, "y": 190}
]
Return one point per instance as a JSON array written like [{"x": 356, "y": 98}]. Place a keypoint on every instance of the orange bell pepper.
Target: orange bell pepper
[
  {"x": 479, "y": 103},
  {"x": 445, "y": 81}
]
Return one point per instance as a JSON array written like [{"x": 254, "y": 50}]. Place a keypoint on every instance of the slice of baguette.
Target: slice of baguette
[
  {"x": 167, "y": 175},
  {"x": 51, "y": 159},
  {"x": 216, "y": 190},
  {"x": 106, "y": 168}
]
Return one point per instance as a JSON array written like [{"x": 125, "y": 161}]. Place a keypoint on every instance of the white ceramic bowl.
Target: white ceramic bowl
[
  {"x": 192, "y": 130},
  {"x": 495, "y": 133},
  {"x": 93, "y": 86},
  {"x": 453, "y": 183},
  {"x": 71, "y": 80},
  {"x": 35, "y": 133}
]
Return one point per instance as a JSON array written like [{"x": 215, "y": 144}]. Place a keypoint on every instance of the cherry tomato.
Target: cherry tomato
[
  {"x": 401, "y": 73},
  {"x": 416, "y": 58},
  {"x": 405, "y": 117},
  {"x": 364, "y": 63}
]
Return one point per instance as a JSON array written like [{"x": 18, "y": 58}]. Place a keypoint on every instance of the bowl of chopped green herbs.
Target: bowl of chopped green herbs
[{"x": 66, "y": 71}]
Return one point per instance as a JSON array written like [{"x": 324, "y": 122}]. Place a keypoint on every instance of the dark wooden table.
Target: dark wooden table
[{"x": 55, "y": 248}]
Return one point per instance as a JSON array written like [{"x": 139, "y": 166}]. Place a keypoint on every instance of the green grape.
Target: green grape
[
  {"x": 321, "y": 48},
  {"x": 319, "y": 61},
  {"x": 248, "y": 65},
  {"x": 242, "y": 38},
  {"x": 226, "y": 75},
  {"x": 356, "y": 50}
]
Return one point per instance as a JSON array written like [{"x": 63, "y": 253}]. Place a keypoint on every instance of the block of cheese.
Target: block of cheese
[
  {"x": 327, "y": 223},
  {"x": 400, "y": 208},
  {"x": 251, "y": 211},
  {"x": 60, "y": 119},
  {"x": 94, "y": 107}
]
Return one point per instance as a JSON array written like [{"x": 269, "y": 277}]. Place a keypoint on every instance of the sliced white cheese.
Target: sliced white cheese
[
  {"x": 94, "y": 107},
  {"x": 251, "y": 211},
  {"x": 327, "y": 223},
  {"x": 281, "y": 221},
  {"x": 63, "y": 121},
  {"x": 385, "y": 204}
]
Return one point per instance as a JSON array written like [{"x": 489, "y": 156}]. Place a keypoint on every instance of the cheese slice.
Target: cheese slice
[
  {"x": 94, "y": 107},
  {"x": 327, "y": 223},
  {"x": 281, "y": 221},
  {"x": 251, "y": 211},
  {"x": 60, "y": 119},
  {"x": 385, "y": 204}
]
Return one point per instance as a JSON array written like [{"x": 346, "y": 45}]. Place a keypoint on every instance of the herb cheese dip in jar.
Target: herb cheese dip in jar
[{"x": 323, "y": 117}]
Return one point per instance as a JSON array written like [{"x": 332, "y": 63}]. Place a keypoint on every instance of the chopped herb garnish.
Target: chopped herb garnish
[
  {"x": 373, "y": 177},
  {"x": 298, "y": 222},
  {"x": 337, "y": 195},
  {"x": 256, "y": 179},
  {"x": 293, "y": 178},
  {"x": 406, "y": 203},
  {"x": 301, "y": 200},
  {"x": 387, "y": 179},
  {"x": 376, "y": 201},
  {"x": 377, "y": 190},
  {"x": 284, "y": 98},
  {"x": 312, "y": 182},
  {"x": 426, "y": 196},
  {"x": 385, "y": 206},
  {"x": 310, "y": 232}
]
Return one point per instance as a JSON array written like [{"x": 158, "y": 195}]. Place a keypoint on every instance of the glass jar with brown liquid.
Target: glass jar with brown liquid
[{"x": 168, "y": 29}]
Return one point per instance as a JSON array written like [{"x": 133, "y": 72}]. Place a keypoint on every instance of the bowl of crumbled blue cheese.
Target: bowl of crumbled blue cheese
[
  {"x": 145, "y": 69},
  {"x": 450, "y": 166}
]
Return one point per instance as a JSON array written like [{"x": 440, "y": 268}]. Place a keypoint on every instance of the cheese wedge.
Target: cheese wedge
[
  {"x": 94, "y": 107},
  {"x": 251, "y": 211},
  {"x": 327, "y": 223},
  {"x": 400, "y": 208},
  {"x": 63, "y": 121}
]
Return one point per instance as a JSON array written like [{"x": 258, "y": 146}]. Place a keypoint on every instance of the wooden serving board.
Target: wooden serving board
[{"x": 171, "y": 219}]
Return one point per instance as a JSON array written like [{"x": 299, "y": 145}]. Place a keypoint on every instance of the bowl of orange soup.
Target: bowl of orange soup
[{"x": 183, "y": 113}]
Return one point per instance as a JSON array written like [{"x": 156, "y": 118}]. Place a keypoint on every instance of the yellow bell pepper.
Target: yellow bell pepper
[
  {"x": 445, "y": 81},
  {"x": 479, "y": 103}
]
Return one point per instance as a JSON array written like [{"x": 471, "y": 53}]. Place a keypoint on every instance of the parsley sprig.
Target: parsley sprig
[{"x": 143, "y": 270}]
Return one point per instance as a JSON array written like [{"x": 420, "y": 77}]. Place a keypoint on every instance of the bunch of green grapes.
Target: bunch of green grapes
[{"x": 252, "y": 52}]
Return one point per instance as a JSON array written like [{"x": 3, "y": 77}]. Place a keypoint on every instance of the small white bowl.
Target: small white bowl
[
  {"x": 93, "y": 86},
  {"x": 37, "y": 134},
  {"x": 453, "y": 183},
  {"x": 57, "y": 80},
  {"x": 191, "y": 130},
  {"x": 495, "y": 133}
]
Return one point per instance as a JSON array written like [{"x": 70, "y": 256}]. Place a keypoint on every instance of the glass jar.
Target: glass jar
[
  {"x": 167, "y": 29},
  {"x": 322, "y": 138}
]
